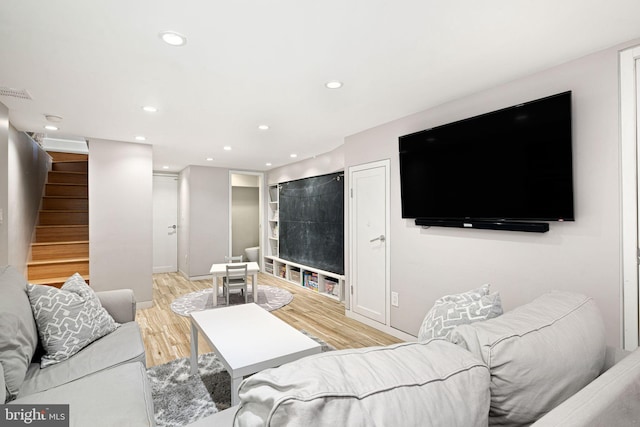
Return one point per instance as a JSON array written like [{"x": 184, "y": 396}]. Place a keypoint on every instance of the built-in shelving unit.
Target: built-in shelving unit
[
  {"x": 273, "y": 247},
  {"x": 324, "y": 282}
]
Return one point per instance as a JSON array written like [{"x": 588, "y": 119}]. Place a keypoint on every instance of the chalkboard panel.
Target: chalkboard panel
[{"x": 312, "y": 222}]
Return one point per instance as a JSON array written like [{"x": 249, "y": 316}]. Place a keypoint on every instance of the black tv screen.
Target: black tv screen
[{"x": 510, "y": 164}]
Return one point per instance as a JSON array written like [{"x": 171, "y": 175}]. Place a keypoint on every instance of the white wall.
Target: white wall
[
  {"x": 204, "y": 219},
  {"x": 323, "y": 164},
  {"x": 28, "y": 167},
  {"x": 120, "y": 217},
  {"x": 23, "y": 172},
  {"x": 581, "y": 256}
]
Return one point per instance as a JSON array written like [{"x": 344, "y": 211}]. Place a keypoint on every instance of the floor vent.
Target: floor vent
[{"x": 15, "y": 93}]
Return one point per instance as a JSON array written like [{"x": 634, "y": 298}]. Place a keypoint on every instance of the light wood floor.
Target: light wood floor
[{"x": 166, "y": 335}]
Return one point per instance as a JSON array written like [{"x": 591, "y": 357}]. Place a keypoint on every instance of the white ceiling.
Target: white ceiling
[{"x": 97, "y": 62}]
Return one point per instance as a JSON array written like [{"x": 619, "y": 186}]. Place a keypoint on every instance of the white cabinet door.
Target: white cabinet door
[{"x": 369, "y": 240}]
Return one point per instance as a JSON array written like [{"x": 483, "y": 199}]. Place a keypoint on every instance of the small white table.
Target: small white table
[
  {"x": 247, "y": 339},
  {"x": 220, "y": 270}
]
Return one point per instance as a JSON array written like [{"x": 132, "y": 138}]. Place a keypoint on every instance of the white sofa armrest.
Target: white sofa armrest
[
  {"x": 609, "y": 400},
  {"x": 613, "y": 356},
  {"x": 120, "y": 303}
]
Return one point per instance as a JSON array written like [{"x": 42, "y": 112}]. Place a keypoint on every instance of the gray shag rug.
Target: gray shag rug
[{"x": 180, "y": 398}]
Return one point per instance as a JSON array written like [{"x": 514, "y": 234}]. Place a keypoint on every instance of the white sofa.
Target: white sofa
[{"x": 544, "y": 364}]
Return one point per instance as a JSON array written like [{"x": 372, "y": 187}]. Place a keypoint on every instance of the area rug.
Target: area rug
[
  {"x": 269, "y": 297},
  {"x": 180, "y": 398}
]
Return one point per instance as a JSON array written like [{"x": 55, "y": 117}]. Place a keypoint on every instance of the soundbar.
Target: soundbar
[{"x": 531, "y": 227}]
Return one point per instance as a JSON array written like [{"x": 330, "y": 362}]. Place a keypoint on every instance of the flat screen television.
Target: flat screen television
[{"x": 514, "y": 164}]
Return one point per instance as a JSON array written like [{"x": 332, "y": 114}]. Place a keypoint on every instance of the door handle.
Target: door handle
[
  {"x": 173, "y": 226},
  {"x": 380, "y": 237}
]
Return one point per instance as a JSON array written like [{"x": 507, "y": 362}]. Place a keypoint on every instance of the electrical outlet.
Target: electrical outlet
[{"x": 394, "y": 299}]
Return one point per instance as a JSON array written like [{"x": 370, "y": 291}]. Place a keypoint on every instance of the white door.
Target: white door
[
  {"x": 630, "y": 161},
  {"x": 165, "y": 222},
  {"x": 369, "y": 240}
]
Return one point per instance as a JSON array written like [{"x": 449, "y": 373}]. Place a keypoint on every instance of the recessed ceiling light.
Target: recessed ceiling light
[
  {"x": 150, "y": 109},
  {"x": 173, "y": 38},
  {"x": 165, "y": 167},
  {"x": 263, "y": 127},
  {"x": 334, "y": 84},
  {"x": 293, "y": 156},
  {"x": 209, "y": 159},
  {"x": 140, "y": 138},
  {"x": 267, "y": 164},
  {"x": 51, "y": 127},
  {"x": 53, "y": 119},
  {"x": 227, "y": 148}
]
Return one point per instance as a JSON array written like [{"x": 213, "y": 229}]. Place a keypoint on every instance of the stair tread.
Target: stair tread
[
  {"x": 65, "y": 210},
  {"x": 66, "y": 242},
  {"x": 67, "y": 184},
  {"x": 58, "y": 261},
  {"x": 71, "y": 172},
  {"x": 57, "y": 226},
  {"x": 54, "y": 280}
]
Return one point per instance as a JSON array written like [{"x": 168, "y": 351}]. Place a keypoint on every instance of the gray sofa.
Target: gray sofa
[
  {"x": 543, "y": 364},
  {"x": 105, "y": 384}
]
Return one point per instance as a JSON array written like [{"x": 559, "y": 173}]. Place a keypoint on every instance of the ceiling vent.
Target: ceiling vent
[{"x": 15, "y": 93}]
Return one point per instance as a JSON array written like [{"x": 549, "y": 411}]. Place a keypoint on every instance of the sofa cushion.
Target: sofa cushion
[
  {"x": 18, "y": 333},
  {"x": 539, "y": 354},
  {"x": 459, "y": 309},
  {"x": 119, "y": 396},
  {"x": 408, "y": 382},
  {"x": 68, "y": 318},
  {"x": 124, "y": 345}
]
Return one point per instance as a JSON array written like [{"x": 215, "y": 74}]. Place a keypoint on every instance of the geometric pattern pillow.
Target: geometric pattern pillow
[
  {"x": 68, "y": 319},
  {"x": 451, "y": 311}
]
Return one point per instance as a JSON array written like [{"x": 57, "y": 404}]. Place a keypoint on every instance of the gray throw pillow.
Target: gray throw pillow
[
  {"x": 451, "y": 311},
  {"x": 68, "y": 319}
]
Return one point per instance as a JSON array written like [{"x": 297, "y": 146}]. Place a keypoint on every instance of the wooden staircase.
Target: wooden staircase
[{"x": 61, "y": 242}]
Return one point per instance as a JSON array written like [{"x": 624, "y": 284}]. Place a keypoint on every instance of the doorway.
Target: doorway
[
  {"x": 165, "y": 221},
  {"x": 629, "y": 144},
  {"x": 245, "y": 215},
  {"x": 369, "y": 214}
]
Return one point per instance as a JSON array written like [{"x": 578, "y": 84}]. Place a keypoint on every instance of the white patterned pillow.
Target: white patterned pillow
[
  {"x": 459, "y": 309},
  {"x": 68, "y": 319}
]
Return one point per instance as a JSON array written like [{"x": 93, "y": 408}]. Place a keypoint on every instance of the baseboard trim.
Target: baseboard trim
[
  {"x": 379, "y": 326},
  {"x": 144, "y": 304}
]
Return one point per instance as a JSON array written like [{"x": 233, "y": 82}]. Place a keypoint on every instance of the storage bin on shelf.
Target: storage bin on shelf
[
  {"x": 323, "y": 282},
  {"x": 294, "y": 274},
  {"x": 331, "y": 287}
]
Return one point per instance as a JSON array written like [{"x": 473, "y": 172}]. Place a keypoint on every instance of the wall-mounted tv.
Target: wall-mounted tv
[{"x": 514, "y": 164}]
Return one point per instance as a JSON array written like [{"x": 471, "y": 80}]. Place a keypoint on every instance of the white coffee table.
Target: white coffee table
[{"x": 247, "y": 339}]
